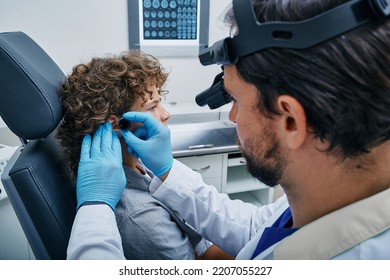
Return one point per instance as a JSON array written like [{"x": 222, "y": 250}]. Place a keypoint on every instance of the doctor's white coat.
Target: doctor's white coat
[{"x": 358, "y": 231}]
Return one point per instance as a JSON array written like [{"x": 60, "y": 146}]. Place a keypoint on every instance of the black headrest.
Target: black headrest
[{"x": 29, "y": 87}]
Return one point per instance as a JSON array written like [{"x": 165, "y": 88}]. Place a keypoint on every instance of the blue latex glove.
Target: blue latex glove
[
  {"x": 101, "y": 178},
  {"x": 152, "y": 142}
]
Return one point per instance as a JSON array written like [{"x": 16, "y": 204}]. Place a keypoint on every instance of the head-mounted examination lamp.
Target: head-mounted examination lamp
[
  {"x": 255, "y": 36},
  {"x": 215, "y": 96}
]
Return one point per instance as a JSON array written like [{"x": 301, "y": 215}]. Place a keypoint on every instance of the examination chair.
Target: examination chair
[{"x": 37, "y": 184}]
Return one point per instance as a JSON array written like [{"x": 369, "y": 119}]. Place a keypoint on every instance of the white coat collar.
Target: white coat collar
[
  {"x": 246, "y": 253},
  {"x": 338, "y": 231}
]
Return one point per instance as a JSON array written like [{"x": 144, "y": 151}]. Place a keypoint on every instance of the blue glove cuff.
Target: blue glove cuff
[
  {"x": 165, "y": 169},
  {"x": 93, "y": 203}
]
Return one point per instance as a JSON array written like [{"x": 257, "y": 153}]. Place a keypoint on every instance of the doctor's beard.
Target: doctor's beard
[{"x": 263, "y": 158}]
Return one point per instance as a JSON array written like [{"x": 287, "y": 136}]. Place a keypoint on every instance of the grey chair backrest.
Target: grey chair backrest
[{"x": 35, "y": 179}]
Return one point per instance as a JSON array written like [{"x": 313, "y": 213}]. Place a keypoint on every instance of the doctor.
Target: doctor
[{"x": 312, "y": 115}]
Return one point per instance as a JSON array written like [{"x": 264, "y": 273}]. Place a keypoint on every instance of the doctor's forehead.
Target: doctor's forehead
[
  {"x": 231, "y": 78},
  {"x": 236, "y": 86}
]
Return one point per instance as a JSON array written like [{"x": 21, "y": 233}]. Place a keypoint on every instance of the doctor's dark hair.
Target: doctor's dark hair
[
  {"x": 343, "y": 84},
  {"x": 102, "y": 88}
]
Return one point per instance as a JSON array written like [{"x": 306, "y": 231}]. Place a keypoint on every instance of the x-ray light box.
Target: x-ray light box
[{"x": 168, "y": 27}]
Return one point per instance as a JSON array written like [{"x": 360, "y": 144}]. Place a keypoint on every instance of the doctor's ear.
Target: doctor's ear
[{"x": 292, "y": 121}]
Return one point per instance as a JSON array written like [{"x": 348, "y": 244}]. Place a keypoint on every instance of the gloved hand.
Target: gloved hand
[
  {"x": 101, "y": 177},
  {"x": 152, "y": 142}
]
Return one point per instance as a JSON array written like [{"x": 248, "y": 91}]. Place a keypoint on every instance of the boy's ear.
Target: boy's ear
[{"x": 114, "y": 120}]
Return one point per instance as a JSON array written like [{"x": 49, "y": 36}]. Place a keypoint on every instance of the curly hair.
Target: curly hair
[
  {"x": 99, "y": 89},
  {"x": 343, "y": 84}
]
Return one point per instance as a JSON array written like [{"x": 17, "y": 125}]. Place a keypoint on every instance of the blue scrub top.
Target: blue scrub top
[{"x": 275, "y": 233}]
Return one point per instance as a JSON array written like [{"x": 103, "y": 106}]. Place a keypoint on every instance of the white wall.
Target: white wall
[{"x": 72, "y": 31}]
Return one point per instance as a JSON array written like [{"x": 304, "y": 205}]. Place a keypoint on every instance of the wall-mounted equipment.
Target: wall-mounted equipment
[{"x": 168, "y": 27}]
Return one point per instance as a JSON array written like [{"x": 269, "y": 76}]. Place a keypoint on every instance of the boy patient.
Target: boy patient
[{"x": 103, "y": 90}]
